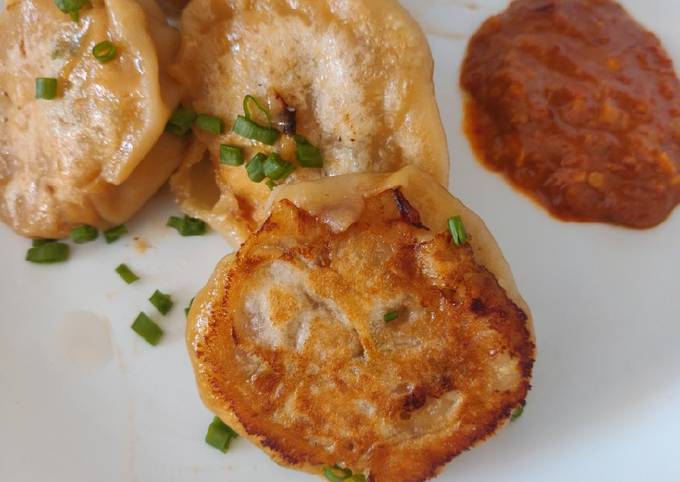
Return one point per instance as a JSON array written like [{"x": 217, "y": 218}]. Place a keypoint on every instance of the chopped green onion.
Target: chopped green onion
[
  {"x": 72, "y": 7},
  {"x": 180, "y": 121},
  {"x": 48, "y": 253},
  {"x": 188, "y": 308},
  {"x": 193, "y": 227},
  {"x": 250, "y": 130},
  {"x": 220, "y": 435},
  {"x": 308, "y": 155},
  {"x": 126, "y": 273},
  {"x": 246, "y": 110},
  {"x": 357, "y": 478},
  {"x": 84, "y": 234},
  {"x": 147, "y": 329},
  {"x": 176, "y": 223},
  {"x": 161, "y": 301},
  {"x": 517, "y": 413},
  {"x": 210, "y": 123},
  {"x": 276, "y": 168},
  {"x": 114, "y": 234},
  {"x": 391, "y": 316},
  {"x": 289, "y": 170},
  {"x": 255, "y": 167},
  {"x": 187, "y": 226},
  {"x": 45, "y": 88},
  {"x": 231, "y": 155},
  {"x": 270, "y": 184},
  {"x": 457, "y": 229},
  {"x": 104, "y": 51},
  {"x": 39, "y": 242},
  {"x": 336, "y": 474}
]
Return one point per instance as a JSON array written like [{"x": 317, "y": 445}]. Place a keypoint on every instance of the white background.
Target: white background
[{"x": 83, "y": 399}]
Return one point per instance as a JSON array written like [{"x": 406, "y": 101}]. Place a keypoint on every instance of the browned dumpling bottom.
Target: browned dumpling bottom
[{"x": 382, "y": 347}]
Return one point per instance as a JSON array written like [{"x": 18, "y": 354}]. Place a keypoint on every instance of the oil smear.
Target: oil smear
[{"x": 83, "y": 340}]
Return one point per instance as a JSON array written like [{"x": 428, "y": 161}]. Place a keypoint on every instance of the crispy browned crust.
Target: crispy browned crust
[{"x": 395, "y": 400}]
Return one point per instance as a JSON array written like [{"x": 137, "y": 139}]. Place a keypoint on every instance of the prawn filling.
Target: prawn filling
[{"x": 385, "y": 347}]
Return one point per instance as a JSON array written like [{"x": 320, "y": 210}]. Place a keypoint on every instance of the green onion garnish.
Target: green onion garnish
[
  {"x": 180, "y": 121},
  {"x": 84, "y": 234},
  {"x": 255, "y": 167},
  {"x": 289, "y": 170},
  {"x": 161, "y": 301},
  {"x": 276, "y": 168},
  {"x": 72, "y": 7},
  {"x": 220, "y": 435},
  {"x": 517, "y": 413},
  {"x": 176, "y": 223},
  {"x": 188, "y": 308},
  {"x": 457, "y": 229},
  {"x": 48, "y": 253},
  {"x": 307, "y": 154},
  {"x": 246, "y": 109},
  {"x": 210, "y": 123},
  {"x": 45, "y": 88},
  {"x": 187, "y": 226},
  {"x": 39, "y": 242},
  {"x": 336, "y": 474},
  {"x": 250, "y": 130},
  {"x": 270, "y": 184},
  {"x": 357, "y": 478},
  {"x": 104, "y": 51},
  {"x": 231, "y": 155},
  {"x": 114, "y": 234},
  {"x": 391, "y": 316},
  {"x": 126, "y": 273},
  {"x": 147, "y": 329},
  {"x": 193, "y": 227}
]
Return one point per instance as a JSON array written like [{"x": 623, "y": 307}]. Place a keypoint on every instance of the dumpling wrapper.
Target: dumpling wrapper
[
  {"x": 97, "y": 152},
  {"x": 359, "y": 75}
]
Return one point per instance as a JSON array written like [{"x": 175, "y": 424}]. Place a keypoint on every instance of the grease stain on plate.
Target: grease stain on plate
[
  {"x": 83, "y": 339},
  {"x": 140, "y": 244}
]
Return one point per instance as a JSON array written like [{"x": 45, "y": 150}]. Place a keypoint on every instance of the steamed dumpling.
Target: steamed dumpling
[
  {"x": 97, "y": 152},
  {"x": 358, "y": 75}
]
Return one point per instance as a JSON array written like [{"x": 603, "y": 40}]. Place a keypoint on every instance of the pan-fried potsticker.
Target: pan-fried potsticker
[
  {"x": 84, "y": 100},
  {"x": 328, "y": 87},
  {"x": 370, "y": 324}
]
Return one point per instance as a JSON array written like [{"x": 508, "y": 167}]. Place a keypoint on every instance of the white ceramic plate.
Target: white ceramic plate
[{"x": 84, "y": 399}]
